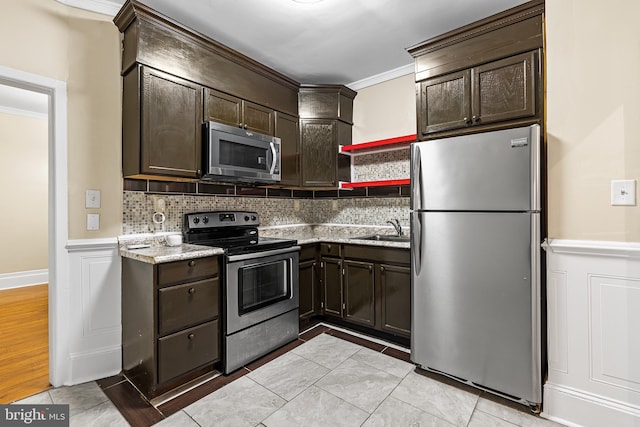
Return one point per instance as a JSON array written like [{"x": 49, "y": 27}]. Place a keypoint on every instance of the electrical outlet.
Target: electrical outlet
[
  {"x": 93, "y": 221},
  {"x": 334, "y": 205},
  {"x": 159, "y": 204},
  {"x": 623, "y": 192},
  {"x": 92, "y": 199},
  {"x": 296, "y": 205}
]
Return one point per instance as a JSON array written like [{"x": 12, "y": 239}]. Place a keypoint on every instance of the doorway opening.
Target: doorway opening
[{"x": 57, "y": 257}]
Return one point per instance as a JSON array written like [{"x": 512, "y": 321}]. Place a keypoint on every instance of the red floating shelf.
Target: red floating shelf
[
  {"x": 383, "y": 183},
  {"x": 389, "y": 143}
]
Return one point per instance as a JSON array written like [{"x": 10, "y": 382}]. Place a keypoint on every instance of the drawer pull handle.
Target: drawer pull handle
[
  {"x": 191, "y": 263},
  {"x": 192, "y": 291},
  {"x": 190, "y": 336}
]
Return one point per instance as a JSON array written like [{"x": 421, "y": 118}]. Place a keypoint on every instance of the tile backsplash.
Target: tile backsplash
[
  {"x": 361, "y": 206},
  {"x": 273, "y": 211}
]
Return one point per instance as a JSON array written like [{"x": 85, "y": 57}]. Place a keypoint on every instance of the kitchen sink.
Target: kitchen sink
[{"x": 383, "y": 238}]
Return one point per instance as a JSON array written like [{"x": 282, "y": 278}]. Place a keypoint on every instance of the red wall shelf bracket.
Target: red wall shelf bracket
[
  {"x": 383, "y": 183},
  {"x": 382, "y": 144}
]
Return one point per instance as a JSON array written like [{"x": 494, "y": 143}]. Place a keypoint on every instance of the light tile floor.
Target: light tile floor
[{"x": 324, "y": 382}]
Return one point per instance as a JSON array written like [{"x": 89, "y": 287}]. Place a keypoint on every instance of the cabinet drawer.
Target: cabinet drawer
[
  {"x": 188, "y": 304},
  {"x": 184, "y": 351},
  {"x": 331, "y": 249},
  {"x": 187, "y": 270}
]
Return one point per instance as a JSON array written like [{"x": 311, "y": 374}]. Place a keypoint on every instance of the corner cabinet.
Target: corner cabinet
[
  {"x": 162, "y": 125},
  {"x": 170, "y": 322},
  {"x": 484, "y": 76},
  {"x": 326, "y": 114}
]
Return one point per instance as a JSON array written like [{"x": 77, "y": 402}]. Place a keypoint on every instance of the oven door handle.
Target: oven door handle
[{"x": 254, "y": 255}]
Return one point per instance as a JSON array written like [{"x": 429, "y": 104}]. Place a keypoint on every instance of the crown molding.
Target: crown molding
[{"x": 382, "y": 77}]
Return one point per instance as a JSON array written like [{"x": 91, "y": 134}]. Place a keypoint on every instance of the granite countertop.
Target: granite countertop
[
  {"x": 158, "y": 251},
  {"x": 308, "y": 234}
]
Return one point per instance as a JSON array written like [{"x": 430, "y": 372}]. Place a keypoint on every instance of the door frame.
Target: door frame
[{"x": 58, "y": 260}]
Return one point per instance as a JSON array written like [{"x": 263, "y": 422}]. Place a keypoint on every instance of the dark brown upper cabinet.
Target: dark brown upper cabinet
[
  {"x": 230, "y": 110},
  {"x": 287, "y": 129},
  {"x": 319, "y": 147},
  {"x": 326, "y": 118},
  {"x": 497, "y": 91},
  {"x": 486, "y": 75},
  {"x": 162, "y": 125}
]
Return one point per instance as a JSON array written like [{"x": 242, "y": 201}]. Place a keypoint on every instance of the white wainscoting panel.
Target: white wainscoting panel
[
  {"x": 95, "y": 331},
  {"x": 593, "y": 311}
]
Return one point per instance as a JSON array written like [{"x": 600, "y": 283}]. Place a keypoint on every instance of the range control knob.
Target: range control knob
[
  {"x": 196, "y": 220},
  {"x": 253, "y": 217},
  {"x": 246, "y": 217},
  {"x": 205, "y": 219}
]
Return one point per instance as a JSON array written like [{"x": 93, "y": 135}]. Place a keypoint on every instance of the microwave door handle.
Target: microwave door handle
[{"x": 274, "y": 156}]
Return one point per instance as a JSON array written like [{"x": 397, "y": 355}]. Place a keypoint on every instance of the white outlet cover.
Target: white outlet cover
[
  {"x": 92, "y": 199},
  {"x": 93, "y": 221},
  {"x": 623, "y": 192}
]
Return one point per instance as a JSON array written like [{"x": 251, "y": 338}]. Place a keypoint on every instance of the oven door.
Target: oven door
[{"x": 260, "y": 286}]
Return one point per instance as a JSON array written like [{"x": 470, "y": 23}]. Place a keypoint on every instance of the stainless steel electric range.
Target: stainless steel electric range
[{"x": 260, "y": 283}]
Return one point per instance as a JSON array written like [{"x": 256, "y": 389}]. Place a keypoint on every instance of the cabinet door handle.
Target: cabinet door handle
[
  {"x": 476, "y": 118},
  {"x": 381, "y": 269},
  {"x": 191, "y": 336},
  {"x": 466, "y": 120},
  {"x": 191, "y": 263},
  {"x": 192, "y": 291},
  {"x": 370, "y": 268}
]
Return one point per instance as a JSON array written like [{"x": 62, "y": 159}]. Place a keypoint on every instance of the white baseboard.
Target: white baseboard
[
  {"x": 23, "y": 278},
  {"x": 574, "y": 407},
  {"x": 101, "y": 363}
]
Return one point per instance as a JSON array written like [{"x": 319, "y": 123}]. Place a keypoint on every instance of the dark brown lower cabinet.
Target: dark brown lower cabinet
[
  {"x": 331, "y": 284},
  {"x": 308, "y": 292},
  {"x": 170, "y": 322},
  {"x": 368, "y": 286},
  {"x": 359, "y": 292},
  {"x": 395, "y": 295}
]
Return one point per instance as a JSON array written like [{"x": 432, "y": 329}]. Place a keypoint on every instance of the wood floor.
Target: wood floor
[{"x": 24, "y": 342}]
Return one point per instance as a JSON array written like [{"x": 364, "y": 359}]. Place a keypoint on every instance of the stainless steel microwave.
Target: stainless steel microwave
[{"x": 235, "y": 154}]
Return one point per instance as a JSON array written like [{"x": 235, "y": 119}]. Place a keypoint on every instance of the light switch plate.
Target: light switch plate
[
  {"x": 93, "y": 222},
  {"x": 623, "y": 192},
  {"x": 92, "y": 199}
]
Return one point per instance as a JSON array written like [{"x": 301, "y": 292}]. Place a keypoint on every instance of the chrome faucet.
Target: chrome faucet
[{"x": 397, "y": 226}]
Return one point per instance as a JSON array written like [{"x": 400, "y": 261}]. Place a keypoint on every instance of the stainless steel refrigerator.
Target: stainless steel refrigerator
[{"x": 476, "y": 276}]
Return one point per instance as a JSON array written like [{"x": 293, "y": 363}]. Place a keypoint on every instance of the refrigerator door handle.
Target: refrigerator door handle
[
  {"x": 535, "y": 167},
  {"x": 416, "y": 177},
  {"x": 536, "y": 309},
  {"x": 416, "y": 243}
]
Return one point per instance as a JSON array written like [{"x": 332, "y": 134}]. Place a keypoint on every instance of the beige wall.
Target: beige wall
[
  {"x": 385, "y": 110},
  {"x": 23, "y": 174},
  {"x": 593, "y": 116},
  {"x": 81, "y": 48}
]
